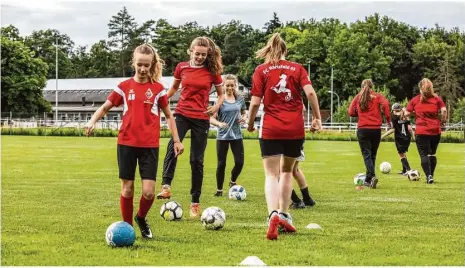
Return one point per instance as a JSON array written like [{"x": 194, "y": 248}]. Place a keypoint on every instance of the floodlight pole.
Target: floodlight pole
[{"x": 56, "y": 80}]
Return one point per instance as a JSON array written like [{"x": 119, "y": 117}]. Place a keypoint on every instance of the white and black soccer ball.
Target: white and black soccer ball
[
  {"x": 359, "y": 179},
  {"x": 213, "y": 218},
  {"x": 385, "y": 167},
  {"x": 171, "y": 211},
  {"x": 237, "y": 192},
  {"x": 413, "y": 175}
]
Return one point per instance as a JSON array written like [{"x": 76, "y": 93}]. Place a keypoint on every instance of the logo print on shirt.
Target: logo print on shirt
[
  {"x": 281, "y": 87},
  {"x": 148, "y": 96},
  {"x": 132, "y": 95}
]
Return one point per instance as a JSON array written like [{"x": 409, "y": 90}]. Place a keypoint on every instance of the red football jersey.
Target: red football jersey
[
  {"x": 371, "y": 117},
  {"x": 280, "y": 86},
  {"x": 427, "y": 115},
  {"x": 140, "y": 126},
  {"x": 196, "y": 83}
]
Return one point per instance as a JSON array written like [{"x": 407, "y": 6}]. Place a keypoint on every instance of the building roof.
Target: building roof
[{"x": 95, "y": 83}]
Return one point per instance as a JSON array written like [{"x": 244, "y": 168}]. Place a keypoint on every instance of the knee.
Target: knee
[
  {"x": 222, "y": 164},
  {"x": 148, "y": 194},
  {"x": 239, "y": 163},
  {"x": 127, "y": 191}
]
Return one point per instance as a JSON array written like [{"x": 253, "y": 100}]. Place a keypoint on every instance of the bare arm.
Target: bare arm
[
  {"x": 313, "y": 99},
  {"x": 443, "y": 115},
  {"x": 214, "y": 121},
  {"x": 410, "y": 129},
  {"x": 174, "y": 87},
  {"x": 389, "y": 132},
  {"x": 253, "y": 109},
  {"x": 101, "y": 111}
]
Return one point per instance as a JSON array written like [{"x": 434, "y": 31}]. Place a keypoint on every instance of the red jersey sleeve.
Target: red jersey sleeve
[
  {"x": 411, "y": 105},
  {"x": 217, "y": 80},
  {"x": 385, "y": 106},
  {"x": 163, "y": 100},
  {"x": 440, "y": 103},
  {"x": 177, "y": 72},
  {"x": 353, "y": 107},
  {"x": 116, "y": 96},
  {"x": 258, "y": 87},
  {"x": 304, "y": 80}
]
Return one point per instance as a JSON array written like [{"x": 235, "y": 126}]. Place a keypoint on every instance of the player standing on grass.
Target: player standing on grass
[
  {"x": 280, "y": 83},
  {"x": 228, "y": 119},
  {"x": 425, "y": 107},
  {"x": 403, "y": 133},
  {"x": 197, "y": 77},
  {"x": 368, "y": 106},
  {"x": 142, "y": 97}
]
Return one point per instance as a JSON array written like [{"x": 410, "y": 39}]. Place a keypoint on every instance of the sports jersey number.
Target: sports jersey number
[{"x": 403, "y": 130}]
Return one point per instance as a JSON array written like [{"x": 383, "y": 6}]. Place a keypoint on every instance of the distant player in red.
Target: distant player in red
[
  {"x": 368, "y": 106},
  {"x": 142, "y": 97},
  {"x": 279, "y": 83},
  {"x": 426, "y": 107},
  {"x": 197, "y": 77}
]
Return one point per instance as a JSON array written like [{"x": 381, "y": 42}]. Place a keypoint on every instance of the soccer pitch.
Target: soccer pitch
[{"x": 59, "y": 194}]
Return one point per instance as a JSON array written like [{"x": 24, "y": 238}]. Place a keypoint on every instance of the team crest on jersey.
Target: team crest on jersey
[
  {"x": 132, "y": 95},
  {"x": 281, "y": 87},
  {"x": 148, "y": 96}
]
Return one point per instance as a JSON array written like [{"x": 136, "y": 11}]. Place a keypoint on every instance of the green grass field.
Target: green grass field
[{"x": 59, "y": 194}]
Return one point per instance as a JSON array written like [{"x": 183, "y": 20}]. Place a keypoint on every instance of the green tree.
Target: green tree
[
  {"x": 23, "y": 78},
  {"x": 11, "y": 32},
  {"x": 458, "y": 114},
  {"x": 273, "y": 24}
]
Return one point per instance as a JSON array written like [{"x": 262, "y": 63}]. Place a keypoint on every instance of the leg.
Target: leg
[
  {"x": 222, "y": 148},
  {"x": 272, "y": 165},
  {"x": 365, "y": 147},
  {"x": 237, "y": 148},
  {"x": 424, "y": 149},
  {"x": 199, "y": 135},
  {"x": 285, "y": 183},
  {"x": 127, "y": 161},
  {"x": 375, "y": 141},
  {"x": 434, "y": 143},
  {"x": 169, "y": 164}
]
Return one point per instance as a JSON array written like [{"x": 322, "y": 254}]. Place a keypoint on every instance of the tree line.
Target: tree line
[{"x": 393, "y": 54}]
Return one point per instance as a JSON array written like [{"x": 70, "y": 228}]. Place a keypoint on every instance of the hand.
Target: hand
[
  {"x": 223, "y": 125},
  {"x": 241, "y": 121},
  {"x": 316, "y": 125},
  {"x": 211, "y": 110},
  {"x": 178, "y": 148},
  {"x": 251, "y": 127},
  {"x": 89, "y": 128}
]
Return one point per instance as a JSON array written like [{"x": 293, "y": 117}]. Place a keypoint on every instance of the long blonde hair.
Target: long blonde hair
[
  {"x": 156, "y": 68},
  {"x": 426, "y": 89},
  {"x": 365, "y": 94},
  {"x": 236, "y": 83},
  {"x": 274, "y": 50},
  {"x": 214, "y": 61}
]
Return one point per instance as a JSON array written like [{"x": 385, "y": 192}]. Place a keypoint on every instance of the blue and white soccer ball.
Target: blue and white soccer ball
[
  {"x": 120, "y": 234},
  {"x": 359, "y": 179},
  {"x": 237, "y": 192},
  {"x": 213, "y": 218},
  {"x": 171, "y": 211}
]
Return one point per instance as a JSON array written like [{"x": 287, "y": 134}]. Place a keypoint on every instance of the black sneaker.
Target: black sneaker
[
  {"x": 297, "y": 205},
  {"x": 218, "y": 193},
  {"x": 143, "y": 226},
  {"x": 309, "y": 203},
  {"x": 430, "y": 180},
  {"x": 231, "y": 184},
  {"x": 374, "y": 182}
]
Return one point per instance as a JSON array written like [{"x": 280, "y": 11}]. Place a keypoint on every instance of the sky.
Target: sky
[{"x": 85, "y": 22}]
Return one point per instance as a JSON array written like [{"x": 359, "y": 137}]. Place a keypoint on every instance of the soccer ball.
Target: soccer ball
[
  {"x": 171, "y": 211},
  {"x": 120, "y": 234},
  {"x": 385, "y": 167},
  {"x": 237, "y": 192},
  {"x": 213, "y": 218},
  {"x": 359, "y": 179},
  {"x": 413, "y": 175}
]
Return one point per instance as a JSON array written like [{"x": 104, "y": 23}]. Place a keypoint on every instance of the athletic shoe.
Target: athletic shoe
[
  {"x": 297, "y": 205},
  {"x": 285, "y": 222},
  {"x": 194, "y": 210},
  {"x": 165, "y": 192},
  {"x": 273, "y": 224},
  {"x": 143, "y": 226}
]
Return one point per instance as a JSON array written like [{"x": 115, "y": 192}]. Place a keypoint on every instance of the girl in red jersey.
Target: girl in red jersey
[
  {"x": 142, "y": 97},
  {"x": 279, "y": 83},
  {"x": 197, "y": 77},
  {"x": 367, "y": 106},
  {"x": 425, "y": 107}
]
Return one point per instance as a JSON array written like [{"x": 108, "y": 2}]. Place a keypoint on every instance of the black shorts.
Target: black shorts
[
  {"x": 128, "y": 156},
  {"x": 289, "y": 148},
  {"x": 402, "y": 145},
  {"x": 427, "y": 145}
]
